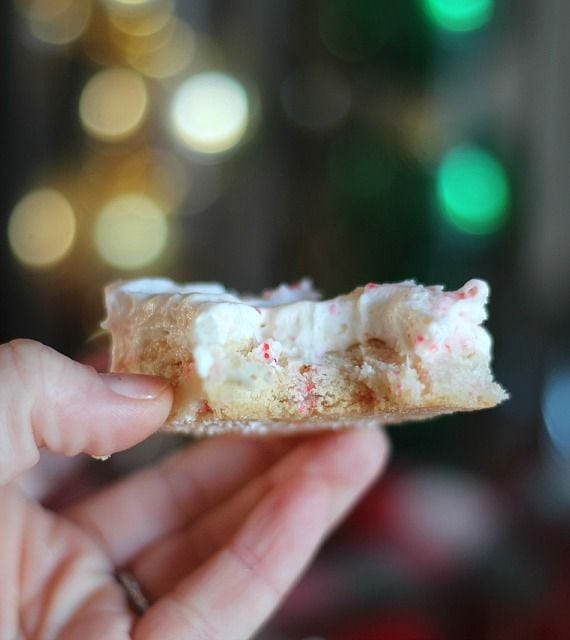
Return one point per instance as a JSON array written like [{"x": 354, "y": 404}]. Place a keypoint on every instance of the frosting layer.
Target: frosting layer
[{"x": 290, "y": 322}]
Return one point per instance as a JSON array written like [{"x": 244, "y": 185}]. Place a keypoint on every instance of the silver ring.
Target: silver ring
[{"x": 136, "y": 598}]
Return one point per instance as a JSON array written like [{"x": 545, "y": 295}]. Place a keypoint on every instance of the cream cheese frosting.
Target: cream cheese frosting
[{"x": 291, "y": 322}]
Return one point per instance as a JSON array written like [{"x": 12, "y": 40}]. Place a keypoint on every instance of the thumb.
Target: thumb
[{"x": 48, "y": 400}]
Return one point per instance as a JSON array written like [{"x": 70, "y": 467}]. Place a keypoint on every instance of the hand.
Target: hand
[{"x": 215, "y": 535}]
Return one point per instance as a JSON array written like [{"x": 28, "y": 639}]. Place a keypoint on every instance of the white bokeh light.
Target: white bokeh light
[{"x": 210, "y": 112}]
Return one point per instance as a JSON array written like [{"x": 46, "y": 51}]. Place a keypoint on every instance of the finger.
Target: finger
[
  {"x": 55, "y": 583},
  {"x": 146, "y": 506},
  {"x": 160, "y": 567},
  {"x": 48, "y": 400},
  {"x": 51, "y": 475},
  {"x": 231, "y": 594}
]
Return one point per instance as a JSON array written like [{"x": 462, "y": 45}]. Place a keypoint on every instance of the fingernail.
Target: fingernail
[{"x": 137, "y": 386}]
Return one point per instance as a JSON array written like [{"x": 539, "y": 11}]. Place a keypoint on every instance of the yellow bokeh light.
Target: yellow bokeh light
[
  {"x": 210, "y": 112},
  {"x": 129, "y": 46},
  {"x": 141, "y": 19},
  {"x": 131, "y": 231},
  {"x": 57, "y": 21},
  {"x": 41, "y": 228},
  {"x": 113, "y": 104},
  {"x": 130, "y": 3},
  {"x": 171, "y": 57}
]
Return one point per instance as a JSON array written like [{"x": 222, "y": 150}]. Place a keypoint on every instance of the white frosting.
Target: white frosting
[
  {"x": 424, "y": 322},
  {"x": 144, "y": 287}
]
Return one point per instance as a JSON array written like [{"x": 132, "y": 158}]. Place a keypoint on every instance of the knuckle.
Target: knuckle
[
  {"x": 21, "y": 358},
  {"x": 22, "y": 348},
  {"x": 256, "y": 566},
  {"x": 32, "y": 362}
]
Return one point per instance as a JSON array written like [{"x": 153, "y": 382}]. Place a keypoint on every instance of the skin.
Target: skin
[{"x": 215, "y": 534}]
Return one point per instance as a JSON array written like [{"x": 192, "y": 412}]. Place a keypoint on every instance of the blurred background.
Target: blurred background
[{"x": 254, "y": 142}]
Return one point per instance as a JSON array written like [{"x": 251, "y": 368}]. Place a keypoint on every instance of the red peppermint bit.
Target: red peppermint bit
[
  {"x": 447, "y": 347},
  {"x": 333, "y": 309},
  {"x": 295, "y": 285},
  {"x": 428, "y": 345},
  {"x": 371, "y": 285},
  {"x": 204, "y": 407},
  {"x": 266, "y": 352},
  {"x": 310, "y": 386},
  {"x": 462, "y": 294}
]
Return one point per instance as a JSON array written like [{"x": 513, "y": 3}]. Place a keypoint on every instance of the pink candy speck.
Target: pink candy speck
[
  {"x": 427, "y": 344},
  {"x": 265, "y": 349},
  {"x": 463, "y": 294},
  {"x": 204, "y": 407}
]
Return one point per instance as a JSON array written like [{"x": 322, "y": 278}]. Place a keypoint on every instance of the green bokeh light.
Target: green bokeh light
[
  {"x": 472, "y": 190},
  {"x": 459, "y": 15}
]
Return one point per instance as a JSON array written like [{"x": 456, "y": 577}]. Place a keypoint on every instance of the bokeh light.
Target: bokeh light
[
  {"x": 210, "y": 112},
  {"x": 131, "y": 231},
  {"x": 41, "y": 228},
  {"x": 473, "y": 190},
  {"x": 170, "y": 57},
  {"x": 459, "y": 15},
  {"x": 130, "y": 3},
  {"x": 56, "y": 22},
  {"x": 443, "y": 517},
  {"x": 556, "y": 408},
  {"x": 142, "y": 18},
  {"x": 113, "y": 104},
  {"x": 316, "y": 98}
]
